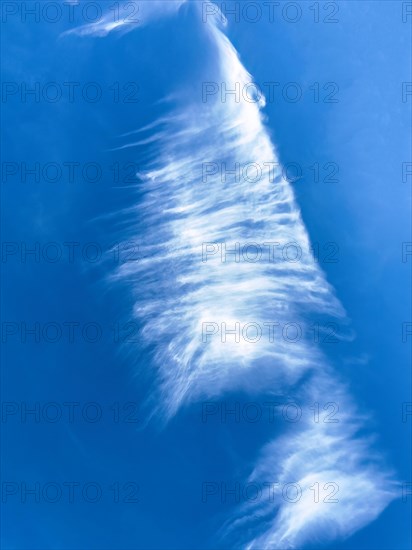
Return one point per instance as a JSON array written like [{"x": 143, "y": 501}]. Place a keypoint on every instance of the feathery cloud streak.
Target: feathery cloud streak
[{"x": 185, "y": 294}]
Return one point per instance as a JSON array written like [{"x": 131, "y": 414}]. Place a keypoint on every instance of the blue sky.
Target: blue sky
[{"x": 366, "y": 213}]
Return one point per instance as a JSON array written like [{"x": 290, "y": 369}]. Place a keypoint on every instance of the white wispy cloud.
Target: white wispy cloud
[
  {"x": 177, "y": 294},
  {"x": 135, "y": 14},
  {"x": 338, "y": 483}
]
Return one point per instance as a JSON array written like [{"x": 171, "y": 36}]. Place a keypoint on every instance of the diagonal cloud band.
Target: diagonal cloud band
[{"x": 195, "y": 292}]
